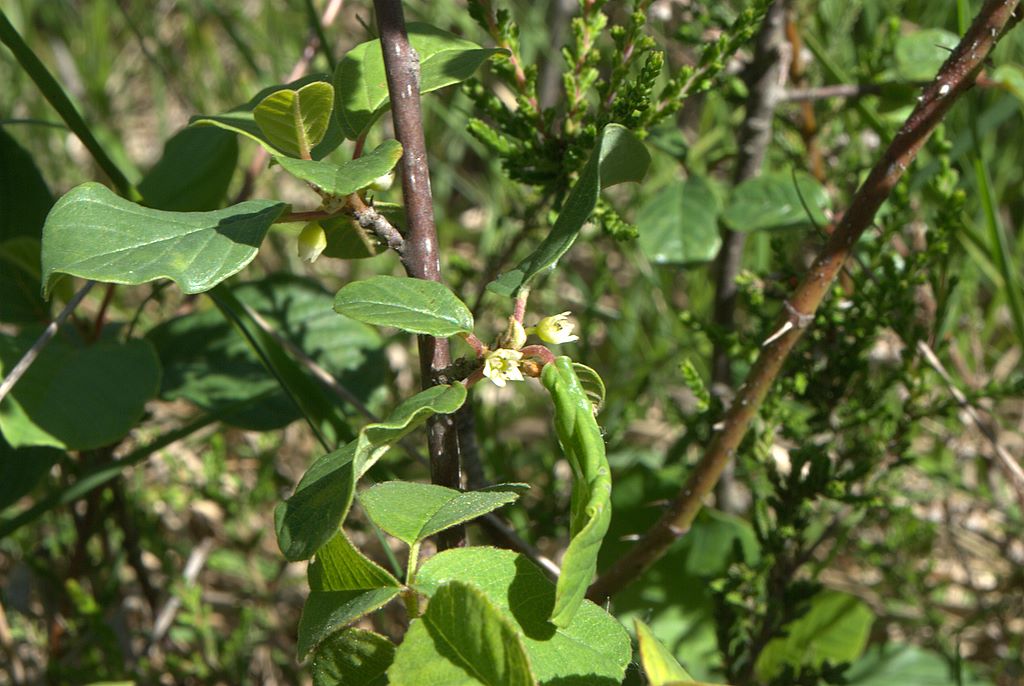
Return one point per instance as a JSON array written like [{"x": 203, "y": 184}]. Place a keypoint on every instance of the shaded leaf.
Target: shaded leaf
[
  {"x": 361, "y": 84},
  {"x": 323, "y": 496},
  {"x": 21, "y": 470},
  {"x": 919, "y": 54},
  {"x": 412, "y": 511},
  {"x": 352, "y": 656},
  {"x": 618, "y": 156},
  {"x": 461, "y": 639},
  {"x": 193, "y": 173},
  {"x": 77, "y": 398},
  {"x": 774, "y": 201},
  {"x": 95, "y": 234},
  {"x": 344, "y": 585},
  {"x": 592, "y": 649},
  {"x": 835, "y": 629},
  {"x": 679, "y": 223},
  {"x": 345, "y": 179},
  {"x": 591, "y": 514},
  {"x": 906, "y": 665},
  {"x": 414, "y": 305}
]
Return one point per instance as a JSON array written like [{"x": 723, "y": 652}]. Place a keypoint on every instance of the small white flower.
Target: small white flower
[
  {"x": 312, "y": 241},
  {"x": 556, "y": 329},
  {"x": 502, "y": 365}
]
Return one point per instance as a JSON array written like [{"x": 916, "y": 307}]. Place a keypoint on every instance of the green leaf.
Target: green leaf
[
  {"x": 24, "y": 202},
  {"x": 659, "y": 664},
  {"x": 1010, "y": 77},
  {"x": 462, "y": 639},
  {"x": 836, "y": 629},
  {"x": 21, "y": 470},
  {"x": 412, "y": 511},
  {"x": 592, "y": 649},
  {"x": 344, "y": 585},
  {"x": 592, "y": 384},
  {"x": 906, "y": 665},
  {"x": 208, "y": 363},
  {"x": 194, "y": 172},
  {"x": 352, "y": 656},
  {"x": 361, "y": 84},
  {"x": 77, "y": 398},
  {"x": 920, "y": 54},
  {"x": 618, "y": 156},
  {"x": 345, "y": 179},
  {"x": 413, "y": 305},
  {"x": 591, "y": 514},
  {"x": 241, "y": 120},
  {"x": 323, "y": 496},
  {"x": 679, "y": 223},
  {"x": 94, "y": 234},
  {"x": 294, "y": 121},
  {"x": 774, "y": 201}
]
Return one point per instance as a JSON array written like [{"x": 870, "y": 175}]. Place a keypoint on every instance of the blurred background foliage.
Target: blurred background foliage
[{"x": 871, "y": 527}]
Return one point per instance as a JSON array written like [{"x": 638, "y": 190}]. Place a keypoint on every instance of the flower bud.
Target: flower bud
[
  {"x": 312, "y": 241},
  {"x": 382, "y": 183},
  {"x": 556, "y": 329},
  {"x": 514, "y": 336}
]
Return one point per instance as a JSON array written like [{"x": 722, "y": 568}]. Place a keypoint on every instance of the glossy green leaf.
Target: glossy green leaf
[
  {"x": 241, "y": 120},
  {"x": 412, "y": 511},
  {"x": 660, "y": 666},
  {"x": 294, "y": 121},
  {"x": 352, "y": 656},
  {"x": 461, "y": 640},
  {"x": 591, "y": 514},
  {"x": 345, "y": 179},
  {"x": 21, "y": 470},
  {"x": 920, "y": 54},
  {"x": 95, "y": 234},
  {"x": 835, "y": 628},
  {"x": 24, "y": 202},
  {"x": 77, "y": 398},
  {"x": 208, "y": 363},
  {"x": 679, "y": 223},
  {"x": 775, "y": 201},
  {"x": 592, "y": 649},
  {"x": 323, "y": 496},
  {"x": 413, "y": 305},
  {"x": 194, "y": 172},
  {"x": 618, "y": 156},
  {"x": 344, "y": 585},
  {"x": 361, "y": 84}
]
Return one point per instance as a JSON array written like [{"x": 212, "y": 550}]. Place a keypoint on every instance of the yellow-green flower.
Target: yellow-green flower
[
  {"x": 502, "y": 365},
  {"x": 312, "y": 241},
  {"x": 556, "y": 329}
]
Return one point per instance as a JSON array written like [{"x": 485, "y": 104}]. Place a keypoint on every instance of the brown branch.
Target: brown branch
[
  {"x": 421, "y": 257},
  {"x": 763, "y": 80},
  {"x": 838, "y": 90},
  {"x": 955, "y": 77}
]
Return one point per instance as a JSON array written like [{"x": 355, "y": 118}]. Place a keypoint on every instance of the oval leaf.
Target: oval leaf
[
  {"x": 591, "y": 514},
  {"x": 77, "y": 398},
  {"x": 94, "y": 234},
  {"x": 461, "y": 639},
  {"x": 344, "y": 585},
  {"x": 361, "y": 83},
  {"x": 592, "y": 649},
  {"x": 194, "y": 172},
  {"x": 618, "y": 156},
  {"x": 294, "y": 121},
  {"x": 412, "y": 511},
  {"x": 413, "y": 305},
  {"x": 353, "y": 656},
  {"x": 679, "y": 223},
  {"x": 774, "y": 201},
  {"x": 345, "y": 179}
]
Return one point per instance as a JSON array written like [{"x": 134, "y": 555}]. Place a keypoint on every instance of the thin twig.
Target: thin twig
[
  {"x": 1010, "y": 466},
  {"x": 955, "y": 77},
  {"x": 194, "y": 565},
  {"x": 838, "y": 90},
  {"x": 763, "y": 78},
  {"x": 421, "y": 257},
  {"x": 32, "y": 353}
]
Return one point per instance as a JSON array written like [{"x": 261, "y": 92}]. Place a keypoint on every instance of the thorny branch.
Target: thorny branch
[
  {"x": 955, "y": 77},
  {"x": 421, "y": 257}
]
